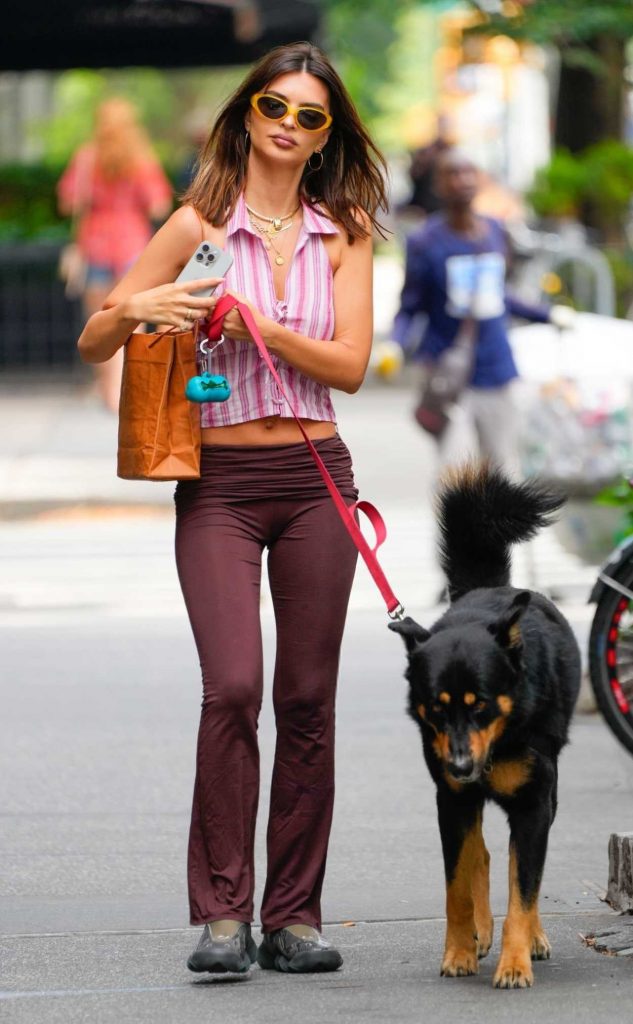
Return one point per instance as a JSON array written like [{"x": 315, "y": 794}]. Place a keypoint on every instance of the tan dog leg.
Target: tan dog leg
[
  {"x": 514, "y": 969},
  {"x": 484, "y": 923},
  {"x": 460, "y": 951}
]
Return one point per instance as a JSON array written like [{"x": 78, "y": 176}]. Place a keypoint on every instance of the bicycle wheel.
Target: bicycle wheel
[{"x": 611, "y": 658}]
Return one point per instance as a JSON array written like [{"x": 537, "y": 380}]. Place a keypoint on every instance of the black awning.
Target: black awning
[{"x": 58, "y": 34}]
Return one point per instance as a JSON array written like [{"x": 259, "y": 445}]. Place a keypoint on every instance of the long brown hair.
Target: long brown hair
[
  {"x": 351, "y": 178},
  {"x": 120, "y": 142}
]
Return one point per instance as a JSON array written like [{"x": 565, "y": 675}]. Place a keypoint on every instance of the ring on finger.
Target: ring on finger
[{"x": 189, "y": 315}]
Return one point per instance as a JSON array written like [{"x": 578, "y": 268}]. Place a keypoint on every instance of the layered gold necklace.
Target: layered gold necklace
[{"x": 275, "y": 227}]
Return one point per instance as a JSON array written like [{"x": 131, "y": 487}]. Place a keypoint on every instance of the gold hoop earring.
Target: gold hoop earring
[{"x": 310, "y": 165}]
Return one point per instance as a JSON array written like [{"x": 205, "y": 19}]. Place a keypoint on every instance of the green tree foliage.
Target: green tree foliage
[
  {"x": 358, "y": 34},
  {"x": 594, "y": 186},
  {"x": 384, "y": 51},
  {"x": 568, "y": 24}
]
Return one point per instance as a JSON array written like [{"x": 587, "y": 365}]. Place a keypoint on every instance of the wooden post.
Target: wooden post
[{"x": 620, "y": 887}]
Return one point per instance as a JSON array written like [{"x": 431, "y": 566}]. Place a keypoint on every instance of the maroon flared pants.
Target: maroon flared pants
[{"x": 249, "y": 498}]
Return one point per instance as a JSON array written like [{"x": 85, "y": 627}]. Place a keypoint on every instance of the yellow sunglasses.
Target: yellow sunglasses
[{"x": 311, "y": 119}]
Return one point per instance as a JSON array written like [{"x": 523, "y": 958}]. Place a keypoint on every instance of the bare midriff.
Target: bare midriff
[{"x": 268, "y": 430}]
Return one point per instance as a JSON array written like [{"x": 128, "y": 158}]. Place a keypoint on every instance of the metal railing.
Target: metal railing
[
  {"x": 591, "y": 284},
  {"x": 39, "y": 326}
]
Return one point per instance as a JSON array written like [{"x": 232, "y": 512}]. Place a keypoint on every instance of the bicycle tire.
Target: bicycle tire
[{"x": 611, "y": 658}]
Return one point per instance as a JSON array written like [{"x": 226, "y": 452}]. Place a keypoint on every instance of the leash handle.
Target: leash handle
[{"x": 347, "y": 512}]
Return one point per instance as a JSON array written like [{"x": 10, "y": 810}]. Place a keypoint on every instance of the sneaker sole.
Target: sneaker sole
[
  {"x": 221, "y": 962},
  {"x": 310, "y": 962}
]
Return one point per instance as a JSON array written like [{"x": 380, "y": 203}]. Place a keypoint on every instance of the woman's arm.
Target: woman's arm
[
  {"x": 342, "y": 361},
  {"x": 155, "y": 191},
  {"x": 147, "y": 292},
  {"x": 73, "y": 187}
]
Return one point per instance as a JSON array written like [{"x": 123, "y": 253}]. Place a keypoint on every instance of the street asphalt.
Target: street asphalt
[{"x": 100, "y": 699}]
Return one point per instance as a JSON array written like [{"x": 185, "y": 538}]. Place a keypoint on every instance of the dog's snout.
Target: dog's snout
[{"x": 461, "y": 766}]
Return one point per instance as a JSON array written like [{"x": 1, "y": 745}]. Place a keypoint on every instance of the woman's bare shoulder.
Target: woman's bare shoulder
[
  {"x": 339, "y": 246},
  {"x": 187, "y": 224},
  {"x": 193, "y": 228},
  {"x": 363, "y": 220}
]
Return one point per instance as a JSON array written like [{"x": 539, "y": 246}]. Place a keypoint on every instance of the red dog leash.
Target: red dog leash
[{"x": 394, "y": 609}]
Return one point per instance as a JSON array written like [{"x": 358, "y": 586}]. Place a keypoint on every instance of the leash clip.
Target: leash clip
[
  {"x": 207, "y": 352},
  {"x": 397, "y": 614}
]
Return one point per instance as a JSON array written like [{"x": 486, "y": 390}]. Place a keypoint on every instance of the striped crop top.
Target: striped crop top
[{"x": 307, "y": 307}]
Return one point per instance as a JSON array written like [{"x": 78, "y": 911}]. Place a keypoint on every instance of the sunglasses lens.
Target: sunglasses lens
[
  {"x": 311, "y": 119},
  {"x": 271, "y": 107}
]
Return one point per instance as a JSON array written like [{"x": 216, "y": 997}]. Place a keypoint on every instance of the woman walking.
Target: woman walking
[
  {"x": 289, "y": 183},
  {"x": 114, "y": 187}
]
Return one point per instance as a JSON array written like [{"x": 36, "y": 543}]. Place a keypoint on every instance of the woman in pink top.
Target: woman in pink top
[
  {"x": 290, "y": 184},
  {"x": 114, "y": 187}
]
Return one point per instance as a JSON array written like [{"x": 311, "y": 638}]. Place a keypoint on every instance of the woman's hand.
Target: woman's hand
[
  {"x": 172, "y": 304},
  {"x": 233, "y": 325}
]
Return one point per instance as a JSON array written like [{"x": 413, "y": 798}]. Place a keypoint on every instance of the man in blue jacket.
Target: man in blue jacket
[{"x": 456, "y": 269}]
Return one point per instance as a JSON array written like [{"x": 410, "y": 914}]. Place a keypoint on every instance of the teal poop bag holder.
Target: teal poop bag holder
[{"x": 207, "y": 386}]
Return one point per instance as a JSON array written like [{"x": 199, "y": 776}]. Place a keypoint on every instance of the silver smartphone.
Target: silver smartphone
[{"x": 207, "y": 261}]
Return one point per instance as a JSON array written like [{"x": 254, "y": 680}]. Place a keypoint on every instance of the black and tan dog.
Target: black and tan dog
[{"x": 492, "y": 687}]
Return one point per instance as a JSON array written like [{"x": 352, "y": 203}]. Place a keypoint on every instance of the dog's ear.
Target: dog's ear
[
  {"x": 410, "y": 631},
  {"x": 506, "y": 630}
]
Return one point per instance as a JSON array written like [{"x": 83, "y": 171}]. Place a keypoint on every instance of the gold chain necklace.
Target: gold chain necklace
[
  {"x": 267, "y": 238},
  {"x": 276, "y": 222}
]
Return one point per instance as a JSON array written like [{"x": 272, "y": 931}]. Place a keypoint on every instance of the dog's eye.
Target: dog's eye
[{"x": 480, "y": 706}]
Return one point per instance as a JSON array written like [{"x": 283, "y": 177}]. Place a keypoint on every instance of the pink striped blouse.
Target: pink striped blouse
[{"x": 307, "y": 307}]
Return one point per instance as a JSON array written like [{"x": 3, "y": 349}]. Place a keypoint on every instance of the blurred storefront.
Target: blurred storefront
[{"x": 495, "y": 93}]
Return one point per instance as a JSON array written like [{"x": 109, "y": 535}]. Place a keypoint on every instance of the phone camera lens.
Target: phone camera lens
[
  {"x": 205, "y": 248},
  {"x": 199, "y": 257},
  {"x": 211, "y": 257}
]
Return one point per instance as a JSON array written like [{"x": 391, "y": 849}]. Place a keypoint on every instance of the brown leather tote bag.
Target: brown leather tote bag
[{"x": 159, "y": 429}]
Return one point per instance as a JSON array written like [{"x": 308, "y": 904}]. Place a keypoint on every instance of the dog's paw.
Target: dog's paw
[
  {"x": 513, "y": 972},
  {"x": 459, "y": 963},
  {"x": 541, "y": 946},
  {"x": 484, "y": 941}
]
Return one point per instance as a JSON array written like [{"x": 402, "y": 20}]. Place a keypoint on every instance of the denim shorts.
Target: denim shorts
[{"x": 103, "y": 275}]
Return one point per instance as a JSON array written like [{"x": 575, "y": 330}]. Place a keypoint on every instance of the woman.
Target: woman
[
  {"x": 113, "y": 188},
  {"x": 289, "y": 183}
]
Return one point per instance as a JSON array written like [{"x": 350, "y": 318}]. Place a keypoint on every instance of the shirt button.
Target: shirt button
[{"x": 281, "y": 312}]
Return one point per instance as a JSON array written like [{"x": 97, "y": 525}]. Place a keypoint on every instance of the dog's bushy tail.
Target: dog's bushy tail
[{"x": 481, "y": 513}]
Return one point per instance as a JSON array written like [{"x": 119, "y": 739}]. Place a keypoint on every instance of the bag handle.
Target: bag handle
[
  {"x": 171, "y": 332},
  {"x": 347, "y": 512}
]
